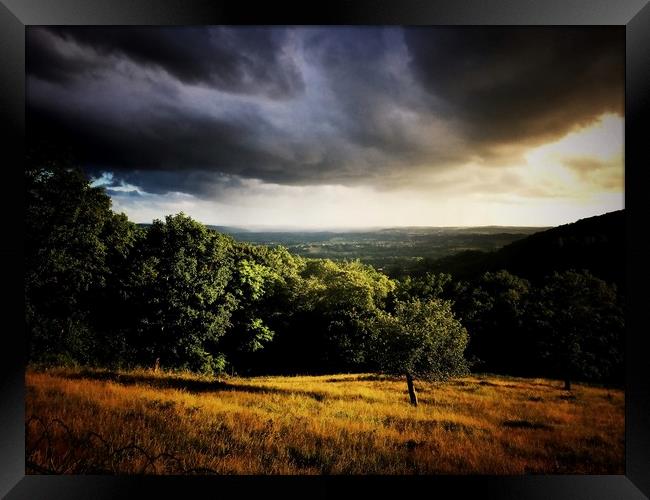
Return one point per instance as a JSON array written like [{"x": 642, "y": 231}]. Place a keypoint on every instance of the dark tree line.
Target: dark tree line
[
  {"x": 100, "y": 290},
  {"x": 568, "y": 325}
]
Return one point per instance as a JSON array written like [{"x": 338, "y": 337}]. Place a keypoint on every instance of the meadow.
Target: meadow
[{"x": 101, "y": 421}]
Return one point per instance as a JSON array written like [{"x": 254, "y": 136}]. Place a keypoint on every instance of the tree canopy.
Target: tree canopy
[
  {"x": 419, "y": 339},
  {"x": 579, "y": 324},
  {"x": 422, "y": 339},
  {"x": 101, "y": 290}
]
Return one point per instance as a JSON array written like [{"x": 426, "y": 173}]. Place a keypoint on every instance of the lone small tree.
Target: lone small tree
[{"x": 421, "y": 339}]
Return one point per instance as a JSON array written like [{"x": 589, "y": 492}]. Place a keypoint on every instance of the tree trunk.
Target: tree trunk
[
  {"x": 409, "y": 384},
  {"x": 567, "y": 384}
]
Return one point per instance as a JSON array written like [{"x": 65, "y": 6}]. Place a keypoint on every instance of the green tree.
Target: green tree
[
  {"x": 264, "y": 285},
  {"x": 180, "y": 281},
  {"x": 72, "y": 242},
  {"x": 421, "y": 339},
  {"x": 494, "y": 313},
  {"x": 114, "y": 312},
  {"x": 426, "y": 287},
  {"x": 341, "y": 301},
  {"x": 580, "y": 327}
]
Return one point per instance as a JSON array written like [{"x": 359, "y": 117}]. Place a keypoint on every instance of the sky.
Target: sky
[{"x": 337, "y": 127}]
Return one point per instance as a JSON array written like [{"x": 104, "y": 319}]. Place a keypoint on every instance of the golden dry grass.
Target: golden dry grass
[{"x": 341, "y": 424}]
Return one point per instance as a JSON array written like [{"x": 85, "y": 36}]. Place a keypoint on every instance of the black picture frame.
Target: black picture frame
[{"x": 634, "y": 15}]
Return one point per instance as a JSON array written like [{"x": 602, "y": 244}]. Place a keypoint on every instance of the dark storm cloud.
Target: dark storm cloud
[
  {"x": 356, "y": 144},
  {"x": 197, "y": 110},
  {"x": 199, "y": 182},
  {"x": 44, "y": 60},
  {"x": 169, "y": 141},
  {"x": 379, "y": 109},
  {"x": 189, "y": 150},
  {"x": 245, "y": 60},
  {"x": 520, "y": 84},
  {"x": 344, "y": 54}
]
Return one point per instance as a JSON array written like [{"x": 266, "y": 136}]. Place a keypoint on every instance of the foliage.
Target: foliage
[
  {"x": 494, "y": 311},
  {"x": 264, "y": 284},
  {"x": 73, "y": 243},
  {"x": 425, "y": 287},
  {"x": 343, "y": 299},
  {"x": 579, "y": 325},
  {"x": 101, "y": 291},
  {"x": 422, "y": 339},
  {"x": 181, "y": 277}
]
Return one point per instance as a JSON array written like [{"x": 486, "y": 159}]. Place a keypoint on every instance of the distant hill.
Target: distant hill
[
  {"x": 393, "y": 250},
  {"x": 595, "y": 243}
]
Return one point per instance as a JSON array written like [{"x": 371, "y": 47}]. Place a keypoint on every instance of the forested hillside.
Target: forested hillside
[{"x": 596, "y": 243}]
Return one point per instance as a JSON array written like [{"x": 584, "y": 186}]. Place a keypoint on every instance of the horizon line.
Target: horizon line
[{"x": 292, "y": 228}]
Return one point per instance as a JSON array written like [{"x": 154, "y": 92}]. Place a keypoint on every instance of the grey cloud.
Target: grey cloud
[
  {"x": 44, "y": 60},
  {"x": 371, "y": 96},
  {"x": 197, "y": 109},
  {"x": 521, "y": 84},
  {"x": 243, "y": 60},
  {"x": 167, "y": 139}
]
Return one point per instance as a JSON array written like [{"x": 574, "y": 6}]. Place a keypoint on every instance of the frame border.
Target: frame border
[{"x": 633, "y": 15}]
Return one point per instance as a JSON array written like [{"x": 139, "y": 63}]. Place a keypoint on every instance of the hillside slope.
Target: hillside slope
[{"x": 595, "y": 243}]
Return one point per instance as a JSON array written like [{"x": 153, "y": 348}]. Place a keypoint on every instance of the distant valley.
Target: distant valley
[
  {"x": 595, "y": 243},
  {"x": 391, "y": 250}
]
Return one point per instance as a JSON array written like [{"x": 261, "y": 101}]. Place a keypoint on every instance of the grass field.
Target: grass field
[{"x": 93, "y": 421}]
